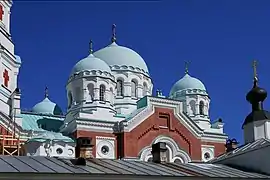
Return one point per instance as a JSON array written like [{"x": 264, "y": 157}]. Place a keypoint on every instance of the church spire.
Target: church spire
[
  {"x": 186, "y": 67},
  {"x": 91, "y": 47},
  {"x": 46, "y": 92},
  {"x": 113, "y": 33}
]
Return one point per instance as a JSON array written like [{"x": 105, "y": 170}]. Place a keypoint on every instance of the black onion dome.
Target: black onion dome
[{"x": 256, "y": 94}]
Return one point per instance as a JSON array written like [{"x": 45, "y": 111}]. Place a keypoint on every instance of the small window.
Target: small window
[
  {"x": 91, "y": 91},
  {"x": 201, "y": 108},
  {"x": 59, "y": 151},
  {"x": 207, "y": 156},
  {"x": 102, "y": 93},
  {"x": 105, "y": 149},
  {"x": 120, "y": 88},
  {"x": 133, "y": 88},
  {"x": 144, "y": 89},
  {"x": 70, "y": 99}
]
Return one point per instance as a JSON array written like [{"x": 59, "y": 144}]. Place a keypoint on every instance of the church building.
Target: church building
[{"x": 110, "y": 101}]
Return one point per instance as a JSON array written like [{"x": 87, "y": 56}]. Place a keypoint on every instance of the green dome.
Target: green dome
[
  {"x": 47, "y": 107},
  {"x": 187, "y": 82},
  {"x": 91, "y": 63},
  {"x": 121, "y": 56}
]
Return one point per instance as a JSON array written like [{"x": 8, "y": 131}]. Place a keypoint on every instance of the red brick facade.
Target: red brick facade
[{"x": 162, "y": 122}]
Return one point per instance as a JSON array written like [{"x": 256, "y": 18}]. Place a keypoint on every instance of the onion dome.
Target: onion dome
[
  {"x": 91, "y": 63},
  {"x": 116, "y": 55},
  {"x": 46, "y": 106},
  {"x": 255, "y": 97},
  {"x": 187, "y": 82}
]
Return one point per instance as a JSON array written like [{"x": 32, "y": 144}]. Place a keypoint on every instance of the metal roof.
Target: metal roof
[
  {"x": 38, "y": 164},
  {"x": 255, "y": 145}
]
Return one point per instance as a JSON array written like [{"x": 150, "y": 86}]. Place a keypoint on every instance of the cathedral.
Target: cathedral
[{"x": 110, "y": 102}]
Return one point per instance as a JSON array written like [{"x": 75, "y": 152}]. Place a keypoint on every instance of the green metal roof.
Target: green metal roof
[{"x": 31, "y": 121}]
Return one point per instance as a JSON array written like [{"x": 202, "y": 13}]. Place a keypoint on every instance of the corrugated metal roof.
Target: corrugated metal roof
[
  {"x": 38, "y": 164},
  {"x": 258, "y": 144},
  {"x": 29, "y": 121}
]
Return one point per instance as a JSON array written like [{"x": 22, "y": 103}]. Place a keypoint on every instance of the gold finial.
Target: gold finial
[
  {"x": 91, "y": 47},
  {"x": 254, "y": 65},
  {"x": 186, "y": 67},
  {"x": 46, "y": 92},
  {"x": 113, "y": 33}
]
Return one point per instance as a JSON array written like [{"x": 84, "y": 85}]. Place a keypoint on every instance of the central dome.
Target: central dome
[
  {"x": 121, "y": 56},
  {"x": 187, "y": 82},
  {"x": 91, "y": 63}
]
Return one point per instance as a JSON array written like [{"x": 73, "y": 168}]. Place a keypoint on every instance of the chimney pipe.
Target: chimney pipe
[
  {"x": 231, "y": 145},
  {"x": 159, "y": 152},
  {"x": 84, "y": 148}
]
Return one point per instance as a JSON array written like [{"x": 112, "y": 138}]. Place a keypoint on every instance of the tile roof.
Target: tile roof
[{"x": 38, "y": 164}]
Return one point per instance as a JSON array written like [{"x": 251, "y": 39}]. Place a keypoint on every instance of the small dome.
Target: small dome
[
  {"x": 121, "y": 56},
  {"x": 187, "y": 82},
  {"x": 47, "y": 107},
  {"x": 91, "y": 63}
]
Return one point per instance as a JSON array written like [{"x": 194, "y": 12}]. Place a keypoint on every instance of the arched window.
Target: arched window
[
  {"x": 133, "y": 88},
  {"x": 78, "y": 95},
  {"x": 192, "y": 105},
  {"x": 102, "y": 93},
  {"x": 90, "y": 91},
  {"x": 70, "y": 99},
  {"x": 120, "y": 88},
  {"x": 144, "y": 89},
  {"x": 112, "y": 95},
  {"x": 201, "y": 108}
]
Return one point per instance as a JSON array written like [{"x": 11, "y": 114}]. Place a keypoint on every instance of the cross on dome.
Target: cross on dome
[
  {"x": 254, "y": 65},
  {"x": 91, "y": 47},
  {"x": 46, "y": 92},
  {"x": 113, "y": 33},
  {"x": 186, "y": 66}
]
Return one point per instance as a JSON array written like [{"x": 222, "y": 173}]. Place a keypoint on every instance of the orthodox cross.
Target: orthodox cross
[
  {"x": 91, "y": 46},
  {"x": 6, "y": 77},
  {"x": 1, "y": 12},
  {"x": 113, "y": 33},
  {"x": 46, "y": 92},
  {"x": 254, "y": 65},
  {"x": 186, "y": 67}
]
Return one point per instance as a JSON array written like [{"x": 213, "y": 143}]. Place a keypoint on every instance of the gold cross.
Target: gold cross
[
  {"x": 186, "y": 67},
  {"x": 254, "y": 65}
]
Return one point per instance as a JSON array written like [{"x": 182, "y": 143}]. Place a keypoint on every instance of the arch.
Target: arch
[
  {"x": 174, "y": 152},
  {"x": 134, "y": 86},
  {"x": 70, "y": 99},
  {"x": 90, "y": 88},
  {"x": 201, "y": 108},
  {"x": 192, "y": 105},
  {"x": 112, "y": 95},
  {"x": 78, "y": 95},
  {"x": 144, "y": 89},
  {"x": 120, "y": 87},
  {"x": 102, "y": 92}
]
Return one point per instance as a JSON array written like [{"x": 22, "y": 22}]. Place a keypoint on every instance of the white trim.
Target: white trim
[{"x": 174, "y": 151}]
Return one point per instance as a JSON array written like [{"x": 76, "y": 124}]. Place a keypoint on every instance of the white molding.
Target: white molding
[{"x": 174, "y": 151}]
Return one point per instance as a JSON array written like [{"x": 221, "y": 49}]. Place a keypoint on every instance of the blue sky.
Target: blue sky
[{"x": 219, "y": 38}]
